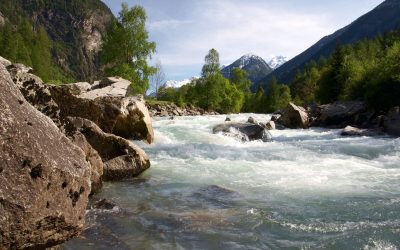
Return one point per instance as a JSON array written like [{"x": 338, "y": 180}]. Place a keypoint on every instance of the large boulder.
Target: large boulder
[
  {"x": 44, "y": 177},
  {"x": 127, "y": 117},
  {"x": 392, "y": 122},
  {"x": 294, "y": 117},
  {"x": 122, "y": 159},
  {"x": 341, "y": 114},
  {"x": 92, "y": 156},
  {"x": 110, "y": 86},
  {"x": 243, "y": 131},
  {"x": 34, "y": 91}
]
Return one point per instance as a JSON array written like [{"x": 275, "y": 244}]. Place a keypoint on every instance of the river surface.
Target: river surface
[{"x": 308, "y": 189}]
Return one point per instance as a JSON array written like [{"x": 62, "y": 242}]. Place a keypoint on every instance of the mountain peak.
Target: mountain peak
[
  {"x": 277, "y": 61},
  {"x": 254, "y": 65}
]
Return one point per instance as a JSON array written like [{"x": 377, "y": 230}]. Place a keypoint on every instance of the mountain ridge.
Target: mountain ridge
[{"x": 385, "y": 17}]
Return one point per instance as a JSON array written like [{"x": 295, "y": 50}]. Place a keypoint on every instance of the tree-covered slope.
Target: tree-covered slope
[
  {"x": 75, "y": 29},
  {"x": 383, "y": 18}
]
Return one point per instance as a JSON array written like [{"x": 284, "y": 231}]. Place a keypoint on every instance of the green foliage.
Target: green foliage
[
  {"x": 367, "y": 71},
  {"x": 126, "y": 48},
  {"x": 211, "y": 65},
  {"x": 31, "y": 46}
]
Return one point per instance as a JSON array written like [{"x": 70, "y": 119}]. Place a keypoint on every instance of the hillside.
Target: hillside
[
  {"x": 255, "y": 67},
  {"x": 382, "y": 19},
  {"x": 75, "y": 29}
]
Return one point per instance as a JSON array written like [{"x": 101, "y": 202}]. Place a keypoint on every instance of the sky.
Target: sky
[{"x": 185, "y": 30}]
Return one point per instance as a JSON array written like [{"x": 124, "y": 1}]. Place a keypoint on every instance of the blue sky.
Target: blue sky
[{"x": 185, "y": 30}]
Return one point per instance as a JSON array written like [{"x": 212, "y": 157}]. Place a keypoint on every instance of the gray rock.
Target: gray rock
[
  {"x": 110, "y": 86},
  {"x": 252, "y": 120},
  {"x": 341, "y": 114},
  {"x": 227, "y": 119},
  {"x": 243, "y": 131},
  {"x": 44, "y": 177},
  {"x": 353, "y": 131},
  {"x": 121, "y": 158},
  {"x": 294, "y": 117}
]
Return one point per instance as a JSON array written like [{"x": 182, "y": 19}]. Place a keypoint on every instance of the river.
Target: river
[{"x": 308, "y": 189}]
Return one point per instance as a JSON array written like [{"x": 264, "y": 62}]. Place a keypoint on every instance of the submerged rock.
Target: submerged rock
[
  {"x": 294, "y": 117},
  {"x": 243, "y": 131},
  {"x": 44, "y": 177},
  {"x": 121, "y": 158},
  {"x": 353, "y": 131}
]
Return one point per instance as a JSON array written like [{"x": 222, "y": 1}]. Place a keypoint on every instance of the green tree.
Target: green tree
[
  {"x": 211, "y": 64},
  {"x": 127, "y": 48}
]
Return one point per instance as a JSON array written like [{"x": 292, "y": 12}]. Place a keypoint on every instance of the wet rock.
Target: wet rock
[
  {"x": 392, "y": 122},
  {"x": 275, "y": 117},
  {"x": 104, "y": 204},
  {"x": 270, "y": 125},
  {"x": 252, "y": 120},
  {"x": 243, "y": 131},
  {"x": 45, "y": 179},
  {"x": 340, "y": 114},
  {"x": 227, "y": 119},
  {"x": 121, "y": 158},
  {"x": 294, "y": 117},
  {"x": 127, "y": 117},
  {"x": 353, "y": 131}
]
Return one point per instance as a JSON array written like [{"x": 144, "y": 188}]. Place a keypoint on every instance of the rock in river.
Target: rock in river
[
  {"x": 44, "y": 177},
  {"x": 122, "y": 158},
  {"x": 294, "y": 117},
  {"x": 243, "y": 131}
]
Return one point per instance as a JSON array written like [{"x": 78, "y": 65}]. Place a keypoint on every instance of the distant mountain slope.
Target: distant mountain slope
[
  {"x": 75, "y": 27},
  {"x": 254, "y": 65},
  {"x": 382, "y": 19},
  {"x": 277, "y": 61}
]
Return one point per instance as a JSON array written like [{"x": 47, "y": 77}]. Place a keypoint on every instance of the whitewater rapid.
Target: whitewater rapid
[{"x": 307, "y": 189}]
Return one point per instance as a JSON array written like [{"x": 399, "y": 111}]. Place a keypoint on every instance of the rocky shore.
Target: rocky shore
[
  {"x": 353, "y": 117},
  {"x": 58, "y": 144},
  {"x": 171, "y": 110}
]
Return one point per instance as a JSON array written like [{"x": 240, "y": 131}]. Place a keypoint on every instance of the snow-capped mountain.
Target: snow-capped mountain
[
  {"x": 177, "y": 84},
  {"x": 277, "y": 61},
  {"x": 254, "y": 65}
]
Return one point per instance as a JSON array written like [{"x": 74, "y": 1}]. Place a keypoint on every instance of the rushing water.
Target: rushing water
[{"x": 308, "y": 189}]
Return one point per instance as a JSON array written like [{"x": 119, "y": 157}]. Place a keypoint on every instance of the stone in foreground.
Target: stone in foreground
[
  {"x": 122, "y": 159},
  {"x": 243, "y": 131},
  {"x": 44, "y": 178}
]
